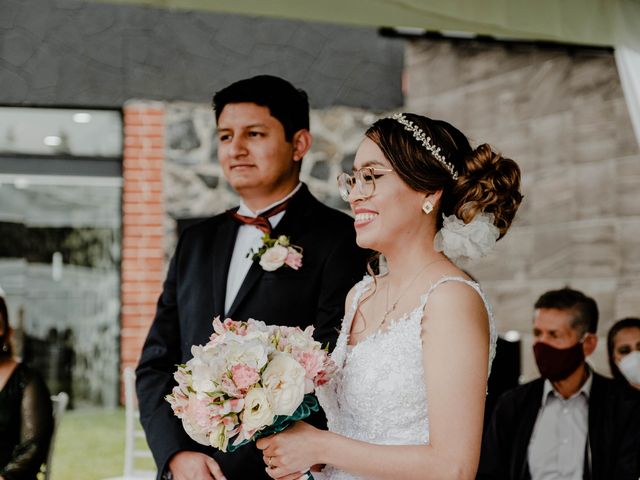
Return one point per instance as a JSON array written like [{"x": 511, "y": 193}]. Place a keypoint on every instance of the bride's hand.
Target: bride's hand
[{"x": 291, "y": 453}]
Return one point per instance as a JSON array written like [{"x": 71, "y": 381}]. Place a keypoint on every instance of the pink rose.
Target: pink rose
[
  {"x": 294, "y": 259},
  {"x": 244, "y": 376},
  {"x": 198, "y": 412},
  {"x": 312, "y": 362},
  {"x": 229, "y": 387},
  {"x": 326, "y": 374}
]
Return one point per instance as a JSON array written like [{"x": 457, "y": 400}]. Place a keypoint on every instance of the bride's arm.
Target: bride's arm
[{"x": 455, "y": 357}]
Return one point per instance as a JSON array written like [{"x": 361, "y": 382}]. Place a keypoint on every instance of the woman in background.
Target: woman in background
[
  {"x": 26, "y": 418},
  {"x": 623, "y": 345}
]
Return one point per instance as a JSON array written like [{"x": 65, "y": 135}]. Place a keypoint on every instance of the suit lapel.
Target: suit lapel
[
  {"x": 253, "y": 275},
  {"x": 221, "y": 259},
  {"x": 299, "y": 206}
]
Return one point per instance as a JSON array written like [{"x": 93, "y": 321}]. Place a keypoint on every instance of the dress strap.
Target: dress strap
[
  {"x": 493, "y": 335},
  {"x": 339, "y": 353}
]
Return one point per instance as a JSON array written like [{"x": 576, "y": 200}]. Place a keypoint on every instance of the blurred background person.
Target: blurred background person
[
  {"x": 623, "y": 347},
  {"x": 571, "y": 423},
  {"x": 26, "y": 418}
]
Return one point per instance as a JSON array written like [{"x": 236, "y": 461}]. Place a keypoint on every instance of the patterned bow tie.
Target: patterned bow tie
[{"x": 261, "y": 221}]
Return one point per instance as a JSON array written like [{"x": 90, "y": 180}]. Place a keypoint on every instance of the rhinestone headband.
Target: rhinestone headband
[{"x": 420, "y": 136}]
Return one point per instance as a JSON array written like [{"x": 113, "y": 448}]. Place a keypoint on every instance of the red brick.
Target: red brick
[
  {"x": 143, "y": 276},
  {"x": 147, "y": 310},
  {"x": 147, "y": 208},
  {"x": 137, "y": 118},
  {"x": 140, "y": 231},
  {"x": 143, "y": 109},
  {"x": 145, "y": 143},
  {"x": 143, "y": 175},
  {"x": 146, "y": 197},
  {"x": 142, "y": 163},
  {"x": 143, "y": 130},
  {"x": 139, "y": 253},
  {"x": 143, "y": 285},
  {"x": 146, "y": 240},
  {"x": 137, "y": 186}
]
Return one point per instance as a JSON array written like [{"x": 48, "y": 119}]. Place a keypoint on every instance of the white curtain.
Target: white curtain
[{"x": 627, "y": 54}]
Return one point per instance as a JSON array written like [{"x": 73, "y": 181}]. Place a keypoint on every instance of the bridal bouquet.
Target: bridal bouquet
[{"x": 250, "y": 380}]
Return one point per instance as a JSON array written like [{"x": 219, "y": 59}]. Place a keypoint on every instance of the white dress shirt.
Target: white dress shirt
[
  {"x": 248, "y": 238},
  {"x": 557, "y": 445}
]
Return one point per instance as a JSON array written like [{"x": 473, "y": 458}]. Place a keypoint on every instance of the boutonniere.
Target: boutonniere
[{"x": 274, "y": 253}]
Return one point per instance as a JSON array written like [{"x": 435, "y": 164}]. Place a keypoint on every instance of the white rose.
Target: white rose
[
  {"x": 195, "y": 433},
  {"x": 257, "y": 412},
  {"x": 297, "y": 338},
  {"x": 205, "y": 369},
  {"x": 274, "y": 258},
  {"x": 284, "y": 381},
  {"x": 253, "y": 352}
]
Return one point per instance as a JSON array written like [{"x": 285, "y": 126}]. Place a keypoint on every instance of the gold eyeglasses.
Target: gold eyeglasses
[{"x": 364, "y": 180}]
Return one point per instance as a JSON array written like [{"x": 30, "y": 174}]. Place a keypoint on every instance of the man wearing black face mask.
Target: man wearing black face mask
[{"x": 572, "y": 423}]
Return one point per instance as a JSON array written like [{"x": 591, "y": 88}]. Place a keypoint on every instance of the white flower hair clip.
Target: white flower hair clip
[
  {"x": 426, "y": 142},
  {"x": 472, "y": 240}
]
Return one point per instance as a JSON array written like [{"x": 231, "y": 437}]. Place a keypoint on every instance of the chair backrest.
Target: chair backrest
[
  {"x": 135, "y": 446},
  {"x": 60, "y": 402}
]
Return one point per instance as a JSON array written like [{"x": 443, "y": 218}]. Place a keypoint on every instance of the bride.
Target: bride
[{"x": 417, "y": 341}]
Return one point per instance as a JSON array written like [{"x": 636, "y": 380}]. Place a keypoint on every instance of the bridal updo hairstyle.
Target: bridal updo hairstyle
[{"x": 487, "y": 182}]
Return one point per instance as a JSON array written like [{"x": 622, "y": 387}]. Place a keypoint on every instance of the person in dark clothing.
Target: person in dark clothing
[
  {"x": 26, "y": 415},
  {"x": 571, "y": 423}
]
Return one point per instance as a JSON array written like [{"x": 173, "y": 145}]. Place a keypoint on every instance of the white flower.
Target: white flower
[
  {"x": 218, "y": 438},
  {"x": 196, "y": 434},
  {"x": 253, "y": 352},
  {"x": 257, "y": 412},
  {"x": 284, "y": 381},
  {"x": 274, "y": 258},
  {"x": 205, "y": 366},
  {"x": 471, "y": 240},
  {"x": 300, "y": 339}
]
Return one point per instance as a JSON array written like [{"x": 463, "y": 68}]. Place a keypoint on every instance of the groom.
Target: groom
[{"x": 263, "y": 135}]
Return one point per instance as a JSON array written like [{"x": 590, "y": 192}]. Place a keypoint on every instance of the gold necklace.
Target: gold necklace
[{"x": 395, "y": 304}]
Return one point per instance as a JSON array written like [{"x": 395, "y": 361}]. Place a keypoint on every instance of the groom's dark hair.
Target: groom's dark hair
[{"x": 286, "y": 103}]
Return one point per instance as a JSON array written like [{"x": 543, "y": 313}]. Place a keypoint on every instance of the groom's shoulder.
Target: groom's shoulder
[
  {"x": 330, "y": 217},
  {"x": 203, "y": 227}
]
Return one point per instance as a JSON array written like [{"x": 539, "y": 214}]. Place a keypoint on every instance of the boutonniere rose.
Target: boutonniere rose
[{"x": 275, "y": 253}]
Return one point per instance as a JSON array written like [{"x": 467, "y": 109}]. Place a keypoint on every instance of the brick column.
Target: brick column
[{"x": 142, "y": 219}]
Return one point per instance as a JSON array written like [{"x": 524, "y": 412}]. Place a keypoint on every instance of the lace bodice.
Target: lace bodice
[{"x": 378, "y": 394}]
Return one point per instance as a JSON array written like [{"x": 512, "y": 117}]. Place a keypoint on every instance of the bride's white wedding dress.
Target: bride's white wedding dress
[{"x": 378, "y": 394}]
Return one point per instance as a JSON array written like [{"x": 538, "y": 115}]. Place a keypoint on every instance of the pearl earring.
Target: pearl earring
[{"x": 427, "y": 207}]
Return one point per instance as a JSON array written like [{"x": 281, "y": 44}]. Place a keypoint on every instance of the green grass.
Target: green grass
[{"x": 90, "y": 445}]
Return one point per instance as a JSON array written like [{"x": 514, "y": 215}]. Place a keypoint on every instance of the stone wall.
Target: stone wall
[
  {"x": 79, "y": 53},
  {"x": 561, "y": 114}
]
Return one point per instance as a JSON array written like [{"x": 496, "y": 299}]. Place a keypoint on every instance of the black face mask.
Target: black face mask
[{"x": 558, "y": 363}]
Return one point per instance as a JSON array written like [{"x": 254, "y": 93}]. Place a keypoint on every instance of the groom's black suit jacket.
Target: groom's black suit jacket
[{"x": 194, "y": 293}]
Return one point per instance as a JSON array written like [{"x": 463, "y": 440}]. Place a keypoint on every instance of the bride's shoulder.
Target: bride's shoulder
[
  {"x": 458, "y": 292},
  {"x": 359, "y": 288}
]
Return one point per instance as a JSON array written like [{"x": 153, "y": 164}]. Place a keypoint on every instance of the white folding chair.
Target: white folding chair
[
  {"x": 135, "y": 446},
  {"x": 60, "y": 402}
]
